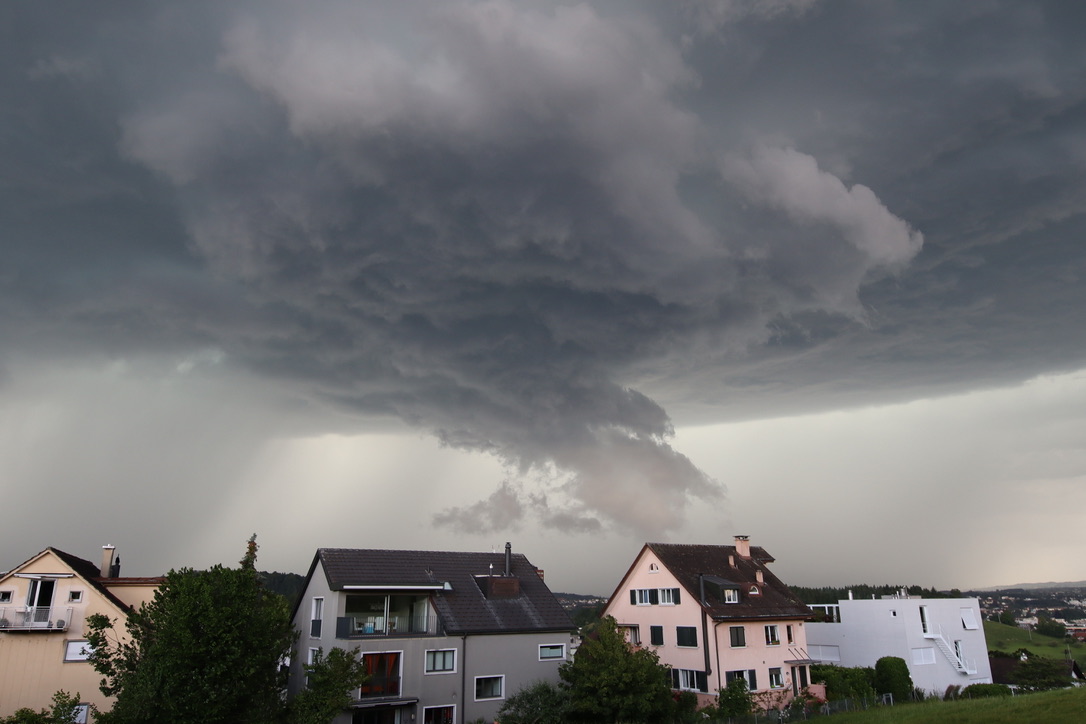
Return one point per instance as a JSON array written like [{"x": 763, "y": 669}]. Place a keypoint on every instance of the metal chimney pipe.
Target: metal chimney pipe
[
  {"x": 508, "y": 558},
  {"x": 107, "y": 560}
]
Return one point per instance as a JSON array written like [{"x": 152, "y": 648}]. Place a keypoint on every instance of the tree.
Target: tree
[
  {"x": 609, "y": 681},
  {"x": 892, "y": 677},
  {"x": 62, "y": 711},
  {"x": 735, "y": 699},
  {"x": 538, "y": 703},
  {"x": 208, "y": 649},
  {"x": 1039, "y": 673},
  {"x": 845, "y": 682},
  {"x": 1048, "y": 627},
  {"x": 1009, "y": 617},
  {"x": 329, "y": 680}
]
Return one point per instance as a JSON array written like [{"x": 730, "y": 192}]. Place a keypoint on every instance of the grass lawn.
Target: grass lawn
[
  {"x": 1002, "y": 637},
  {"x": 1066, "y": 705}
]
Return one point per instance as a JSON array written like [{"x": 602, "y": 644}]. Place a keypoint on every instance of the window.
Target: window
[
  {"x": 79, "y": 716},
  {"x": 686, "y": 636},
  {"x": 825, "y": 652},
  {"x": 731, "y": 595},
  {"x": 669, "y": 596},
  {"x": 739, "y": 636},
  {"x": 552, "y": 651},
  {"x": 772, "y": 638},
  {"x": 689, "y": 680},
  {"x": 5, "y": 596},
  {"x": 439, "y": 715},
  {"x": 653, "y": 568},
  {"x": 314, "y": 657},
  {"x": 788, "y": 633},
  {"x": 656, "y": 635},
  {"x": 633, "y": 634},
  {"x": 76, "y": 651},
  {"x": 746, "y": 675},
  {"x": 924, "y": 656},
  {"x": 75, "y": 596},
  {"x": 969, "y": 621},
  {"x": 644, "y": 596},
  {"x": 317, "y": 617},
  {"x": 754, "y": 591},
  {"x": 776, "y": 680},
  {"x": 441, "y": 661},
  {"x": 383, "y": 670},
  {"x": 488, "y": 687}
]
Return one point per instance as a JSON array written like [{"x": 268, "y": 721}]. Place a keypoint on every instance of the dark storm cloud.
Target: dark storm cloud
[{"x": 520, "y": 226}]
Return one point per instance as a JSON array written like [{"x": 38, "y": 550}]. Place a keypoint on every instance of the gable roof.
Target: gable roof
[
  {"x": 697, "y": 565},
  {"x": 462, "y": 605},
  {"x": 89, "y": 572}
]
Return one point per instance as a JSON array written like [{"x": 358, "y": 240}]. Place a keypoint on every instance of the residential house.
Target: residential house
[
  {"x": 445, "y": 636},
  {"x": 714, "y": 613},
  {"x": 44, "y": 604},
  {"x": 941, "y": 639}
]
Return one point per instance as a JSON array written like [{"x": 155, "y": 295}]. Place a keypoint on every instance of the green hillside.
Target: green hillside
[
  {"x": 1001, "y": 637},
  {"x": 1066, "y": 705}
]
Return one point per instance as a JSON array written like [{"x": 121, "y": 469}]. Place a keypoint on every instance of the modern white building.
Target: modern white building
[{"x": 941, "y": 639}]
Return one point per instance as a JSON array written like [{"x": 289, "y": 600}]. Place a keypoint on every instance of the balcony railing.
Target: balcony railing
[
  {"x": 349, "y": 627},
  {"x": 35, "y": 618}
]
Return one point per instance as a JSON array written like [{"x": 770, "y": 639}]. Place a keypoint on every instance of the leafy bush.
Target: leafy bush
[
  {"x": 845, "y": 682},
  {"x": 984, "y": 691},
  {"x": 538, "y": 703},
  {"x": 892, "y": 677}
]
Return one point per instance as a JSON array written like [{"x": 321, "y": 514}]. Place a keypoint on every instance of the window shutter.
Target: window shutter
[
  {"x": 753, "y": 680},
  {"x": 675, "y": 595},
  {"x": 674, "y": 678},
  {"x": 633, "y": 597},
  {"x": 654, "y": 596},
  {"x": 702, "y": 682}
]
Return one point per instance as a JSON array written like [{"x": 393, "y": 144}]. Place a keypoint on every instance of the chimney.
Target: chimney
[
  {"x": 115, "y": 569},
  {"x": 758, "y": 576},
  {"x": 742, "y": 546},
  {"x": 508, "y": 558},
  {"x": 107, "y": 560}
]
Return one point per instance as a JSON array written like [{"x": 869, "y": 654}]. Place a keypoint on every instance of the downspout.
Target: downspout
[
  {"x": 463, "y": 678},
  {"x": 716, "y": 645},
  {"x": 705, "y": 628}
]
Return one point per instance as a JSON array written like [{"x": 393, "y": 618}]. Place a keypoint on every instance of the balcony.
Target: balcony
[
  {"x": 366, "y": 626},
  {"x": 35, "y": 618}
]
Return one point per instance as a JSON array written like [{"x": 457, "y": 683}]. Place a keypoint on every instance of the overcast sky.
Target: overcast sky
[{"x": 573, "y": 275}]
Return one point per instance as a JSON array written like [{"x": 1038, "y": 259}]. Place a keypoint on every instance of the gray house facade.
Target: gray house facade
[{"x": 445, "y": 636}]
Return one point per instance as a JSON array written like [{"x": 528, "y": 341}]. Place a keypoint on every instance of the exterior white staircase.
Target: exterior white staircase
[{"x": 961, "y": 665}]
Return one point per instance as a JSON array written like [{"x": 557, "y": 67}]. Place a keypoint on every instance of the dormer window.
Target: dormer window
[
  {"x": 731, "y": 595},
  {"x": 754, "y": 591}
]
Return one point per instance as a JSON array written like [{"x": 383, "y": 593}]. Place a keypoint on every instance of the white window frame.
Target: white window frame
[
  {"x": 776, "y": 681},
  {"x": 731, "y": 595},
  {"x": 969, "y": 620},
  {"x": 923, "y": 656},
  {"x": 81, "y": 652},
  {"x": 633, "y": 634},
  {"x": 644, "y": 596},
  {"x": 81, "y": 714},
  {"x": 790, "y": 634},
  {"x": 667, "y": 596},
  {"x": 560, "y": 657},
  {"x": 5, "y": 596},
  {"x": 501, "y": 687},
  {"x": 75, "y": 596},
  {"x": 312, "y": 658},
  {"x": 688, "y": 680},
  {"x": 439, "y": 706},
  {"x": 426, "y": 662},
  {"x": 653, "y": 568},
  {"x": 772, "y": 635},
  {"x": 316, "y": 614}
]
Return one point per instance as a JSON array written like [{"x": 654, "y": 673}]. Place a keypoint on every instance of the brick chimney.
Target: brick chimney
[
  {"x": 107, "y": 560},
  {"x": 742, "y": 546}
]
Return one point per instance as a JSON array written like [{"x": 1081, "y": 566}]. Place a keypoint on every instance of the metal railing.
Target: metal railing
[
  {"x": 35, "y": 618},
  {"x": 361, "y": 626}
]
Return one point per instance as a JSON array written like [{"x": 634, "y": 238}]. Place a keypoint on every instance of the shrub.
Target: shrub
[
  {"x": 892, "y": 677},
  {"x": 845, "y": 682},
  {"x": 984, "y": 691}
]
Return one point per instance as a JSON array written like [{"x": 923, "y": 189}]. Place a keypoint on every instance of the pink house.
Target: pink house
[{"x": 714, "y": 613}]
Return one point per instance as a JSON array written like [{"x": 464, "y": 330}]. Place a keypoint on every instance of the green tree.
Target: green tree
[
  {"x": 1008, "y": 616},
  {"x": 207, "y": 650},
  {"x": 62, "y": 711},
  {"x": 609, "y": 681},
  {"x": 538, "y": 703},
  {"x": 735, "y": 699},
  {"x": 1040, "y": 673},
  {"x": 328, "y": 683},
  {"x": 845, "y": 682},
  {"x": 1048, "y": 627},
  {"x": 892, "y": 677}
]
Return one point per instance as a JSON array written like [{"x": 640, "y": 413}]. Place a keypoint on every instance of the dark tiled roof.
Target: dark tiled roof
[
  {"x": 464, "y": 609},
  {"x": 689, "y": 563}
]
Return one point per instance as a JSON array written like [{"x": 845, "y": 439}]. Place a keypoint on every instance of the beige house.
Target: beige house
[{"x": 44, "y": 604}]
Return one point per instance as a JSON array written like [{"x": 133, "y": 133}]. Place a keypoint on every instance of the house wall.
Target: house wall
[
  {"x": 32, "y": 665},
  {"x": 871, "y": 629},
  {"x": 513, "y": 656}
]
